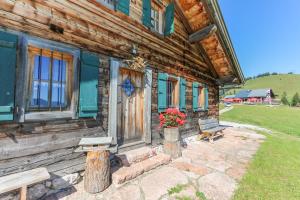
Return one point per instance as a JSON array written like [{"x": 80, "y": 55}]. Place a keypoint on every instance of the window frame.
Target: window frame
[
  {"x": 24, "y": 74},
  {"x": 159, "y": 8},
  {"x": 35, "y": 51}
]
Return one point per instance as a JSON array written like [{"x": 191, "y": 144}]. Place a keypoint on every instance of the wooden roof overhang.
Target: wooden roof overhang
[{"x": 205, "y": 24}]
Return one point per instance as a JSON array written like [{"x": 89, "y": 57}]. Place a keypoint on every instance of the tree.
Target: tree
[
  {"x": 296, "y": 99},
  {"x": 284, "y": 99}
]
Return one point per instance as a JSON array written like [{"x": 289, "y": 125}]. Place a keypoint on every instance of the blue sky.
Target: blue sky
[{"x": 265, "y": 34}]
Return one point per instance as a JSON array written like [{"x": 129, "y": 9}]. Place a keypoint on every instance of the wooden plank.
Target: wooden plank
[
  {"x": 96, "y": 141},
  {"x": 147, "y": 105},
  {"x": 125, "y": 119},
  {"x": 113, "y": 100},
  {"x": 139, "y": 110},
  {"x": 15, "y": 181},
  {"x": 119, "y": 109},
  {"x": 33, "y": 144},
  {"x": 132, "y": 105},
  {"x": 207, "y": 121}
]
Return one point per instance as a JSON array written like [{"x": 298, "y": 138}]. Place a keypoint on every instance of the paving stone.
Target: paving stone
[
  {"x": 127, "y": 173},
  {"x": 157, "y": 183},
  {"x": 197, "y": 169},
  {"x": 237, "y": 171},
  {"x": 189, "y": 192},
  {"x": 128, "y": 192},
  {"x": 217, "y": 186},
  {"x": 221, "y": 166}
]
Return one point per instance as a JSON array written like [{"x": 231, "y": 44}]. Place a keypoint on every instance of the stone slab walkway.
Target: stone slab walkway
[{"x": 212, "y": 169}]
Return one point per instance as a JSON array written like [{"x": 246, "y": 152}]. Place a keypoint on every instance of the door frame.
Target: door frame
[{"x": 113, "y": 102}]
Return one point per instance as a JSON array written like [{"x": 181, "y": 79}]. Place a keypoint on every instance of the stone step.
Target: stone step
[
  {"x": 127, "y": 173},
  {"x": 137, "y": 155}
]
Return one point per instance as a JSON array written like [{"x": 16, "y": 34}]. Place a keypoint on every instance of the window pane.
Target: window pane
[
  {"x": 58, "y": 95},
  {"x": 59, "y": 70},
  {"x": 45, "y": 68},
  {"x": 34, "y": 99},
  {"x": 36, "y": 68},
  {"x": 44, "y": 94}
]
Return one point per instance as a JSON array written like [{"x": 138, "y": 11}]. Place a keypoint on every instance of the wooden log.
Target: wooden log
[
  {"x": 23, "y": 193},
  {"x": 97, "y": 171},
  {"x": 202, "y": 33}
]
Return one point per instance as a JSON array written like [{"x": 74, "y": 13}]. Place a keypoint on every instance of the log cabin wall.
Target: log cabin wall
[{"x": 91, "y": 26}]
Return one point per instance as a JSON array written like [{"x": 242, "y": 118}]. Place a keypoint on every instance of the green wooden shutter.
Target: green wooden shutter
[
  {"x": 206, "y": 97},
  {"x": 123, "y": 6},
  {"x": 182, "y": 104},
  {"x": 162, "y": 91},
  {"x": 88, "y": 98},
  {"x": 147, "y": 13},
  {"x": 169, "y": 19},
  {"x": 195, "y": 90},
  {"x": 8, "y": 57}
]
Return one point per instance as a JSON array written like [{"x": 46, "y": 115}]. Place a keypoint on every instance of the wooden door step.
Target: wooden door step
[
  {"x": 137, "y": 155},
  {"x": 127, "y": 173}
]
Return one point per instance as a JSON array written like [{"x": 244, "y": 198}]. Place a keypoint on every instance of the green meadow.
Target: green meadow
[{"x": 274, "y": 173}]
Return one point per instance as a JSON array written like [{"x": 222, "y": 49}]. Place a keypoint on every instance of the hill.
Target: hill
[{"x": 289, "y": 83}]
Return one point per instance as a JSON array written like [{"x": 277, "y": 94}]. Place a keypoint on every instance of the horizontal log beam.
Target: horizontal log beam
[{"x": 203, "y": 33}]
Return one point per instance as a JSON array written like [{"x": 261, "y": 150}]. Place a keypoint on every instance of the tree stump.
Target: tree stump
[{"x": 97, "y": 171}]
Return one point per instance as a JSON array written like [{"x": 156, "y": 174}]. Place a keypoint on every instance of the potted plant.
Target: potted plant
[{"x": 170, "y": 121}]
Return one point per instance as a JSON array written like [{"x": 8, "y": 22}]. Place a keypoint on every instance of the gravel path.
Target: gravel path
[{"x": 248, "y": 126}]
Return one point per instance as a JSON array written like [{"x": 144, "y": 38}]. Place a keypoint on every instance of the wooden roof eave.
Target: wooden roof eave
[
  {"x": 199, "y": 46},
  {"x": 216, "y": 16}
]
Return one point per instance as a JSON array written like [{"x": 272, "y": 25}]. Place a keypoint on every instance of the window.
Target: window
[
  {"x": 108, "y": 3},
  {"x": 172, "y": 92},
  {"x": 155, "y": 20},
  {"x": 201, "y": 97},
  {"x": 50, "y": 82}
]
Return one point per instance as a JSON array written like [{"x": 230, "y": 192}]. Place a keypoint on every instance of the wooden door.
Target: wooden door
[{"x": 130, "y": 106}]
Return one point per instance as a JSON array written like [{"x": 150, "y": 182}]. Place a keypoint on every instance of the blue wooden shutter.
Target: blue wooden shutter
[
  {"x": 169, "y": 19},
  {"x": 162, "y": 91},
  {"x": 123, "y": 6},
  {"x": 182, "y": 104},
  {"x": 147, "y": 13},
  {"x": 88, "y": 99},
  {"x": 8, "y": 57},
  {"x": 206, "y": 97},
  {"x": 195, "y": 90}
]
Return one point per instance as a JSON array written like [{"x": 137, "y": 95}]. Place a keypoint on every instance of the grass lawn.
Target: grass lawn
[
  {"x": 274, "y": 172},
  {"x": 280, "y": 118}
]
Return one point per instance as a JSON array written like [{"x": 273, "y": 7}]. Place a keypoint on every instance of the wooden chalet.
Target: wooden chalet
[{"x": 81, "y": 68}]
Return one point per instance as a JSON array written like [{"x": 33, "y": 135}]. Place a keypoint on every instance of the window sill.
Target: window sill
[
  {"x": 157, "y": 34},
  {"x": 42, "y": 116}
]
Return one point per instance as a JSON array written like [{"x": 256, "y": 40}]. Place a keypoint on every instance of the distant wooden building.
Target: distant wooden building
[
  {"x": 251, "y": 96},
  {"x": 80, "y": 68}
]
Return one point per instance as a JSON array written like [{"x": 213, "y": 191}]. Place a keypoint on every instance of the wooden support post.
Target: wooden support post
[
  {"x": 23, "y": 193},
  {"x": 97, "y": 171}
]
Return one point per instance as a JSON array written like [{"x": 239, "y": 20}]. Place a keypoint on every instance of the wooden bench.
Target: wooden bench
[
  {"x": 22, "y": 180},
  {"x": 210, "y": 129}
]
